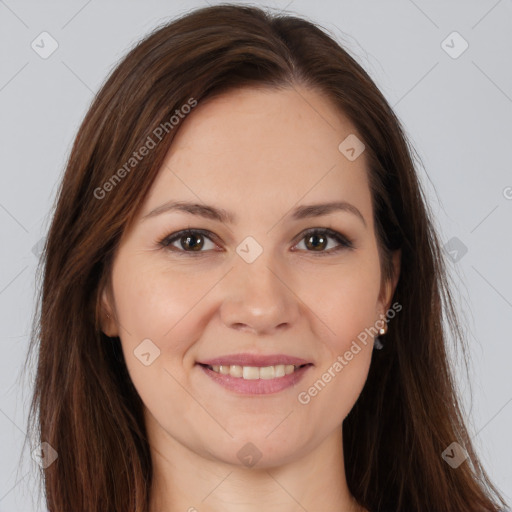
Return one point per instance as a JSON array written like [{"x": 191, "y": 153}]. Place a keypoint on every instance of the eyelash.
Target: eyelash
[{"x": 345, "y": 243}]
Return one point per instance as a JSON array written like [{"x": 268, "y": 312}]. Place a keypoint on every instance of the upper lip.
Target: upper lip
[{"x": 254, "y": 360}]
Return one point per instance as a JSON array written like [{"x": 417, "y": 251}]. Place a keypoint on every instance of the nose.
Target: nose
[{"x": 259, "y": 298}]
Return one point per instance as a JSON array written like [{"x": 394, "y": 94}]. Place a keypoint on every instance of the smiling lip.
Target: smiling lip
[
  {"x": 254, "y": 360},
  {"x": 255, "y": 386}
]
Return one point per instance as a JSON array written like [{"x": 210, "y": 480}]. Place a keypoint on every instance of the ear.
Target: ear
[
  {"x": 108, "y": 321},
  {"x": 389, "y": 286}
]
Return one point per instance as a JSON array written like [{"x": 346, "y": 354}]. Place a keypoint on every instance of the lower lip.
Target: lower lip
[{"x": 256, "y": 386}]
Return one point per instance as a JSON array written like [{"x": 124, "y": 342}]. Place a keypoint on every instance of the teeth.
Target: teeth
[
  {"x": 250, "y": 372},
  {"x": 255, "y": 372},
  {"x": 223, "y": 369}
]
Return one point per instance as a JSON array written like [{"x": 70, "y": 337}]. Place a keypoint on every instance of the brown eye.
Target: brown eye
[
  {"x": 193, "y": 242},
  {"x": 188, "y": 241},
  {"x": 318, "y": 239},
  {"x": 316, "y": 242}
]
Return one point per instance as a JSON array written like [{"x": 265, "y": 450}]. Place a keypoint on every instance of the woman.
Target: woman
[{"x": 243, "y": 291}]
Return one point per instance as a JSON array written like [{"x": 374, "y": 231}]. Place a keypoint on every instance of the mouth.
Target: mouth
[
  {"x": 255, "y": 372},
  {"x": 246, "y": 374}
]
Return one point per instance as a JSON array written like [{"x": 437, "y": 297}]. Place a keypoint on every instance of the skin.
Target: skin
[{"x": 258, "y": 154}]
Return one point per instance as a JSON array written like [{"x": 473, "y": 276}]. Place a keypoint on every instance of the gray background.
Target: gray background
[{"x": 457, "y": 112}]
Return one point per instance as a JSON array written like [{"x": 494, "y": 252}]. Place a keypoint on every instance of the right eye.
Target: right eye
[{"x": 190, "y": 241}]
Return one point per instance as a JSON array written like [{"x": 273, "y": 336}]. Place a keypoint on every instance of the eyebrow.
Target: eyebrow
[{"x": 221, "y": 215}]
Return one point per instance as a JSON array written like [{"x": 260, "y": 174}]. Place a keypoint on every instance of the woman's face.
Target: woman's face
[{"x": 252, "y": 282}]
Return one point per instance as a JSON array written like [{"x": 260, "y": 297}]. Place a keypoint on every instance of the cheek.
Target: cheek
[
  {"x": 345, "y": 299},
  {"x": 152, "y": 302},
  {"x": 166, "y": 307},
  {"x": 157, "y": 305}
]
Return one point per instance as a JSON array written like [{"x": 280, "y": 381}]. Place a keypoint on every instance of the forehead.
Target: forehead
[{"x": 253, "y": 145}]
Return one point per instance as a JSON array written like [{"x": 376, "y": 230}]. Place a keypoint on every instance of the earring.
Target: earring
[{"x": 378, "y": 344}]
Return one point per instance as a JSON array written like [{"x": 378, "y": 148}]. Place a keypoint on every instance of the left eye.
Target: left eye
[{"x": 316, "y": 240}]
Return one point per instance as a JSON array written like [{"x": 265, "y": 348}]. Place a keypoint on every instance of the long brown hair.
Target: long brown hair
[{"x": 85, "y": 405}]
